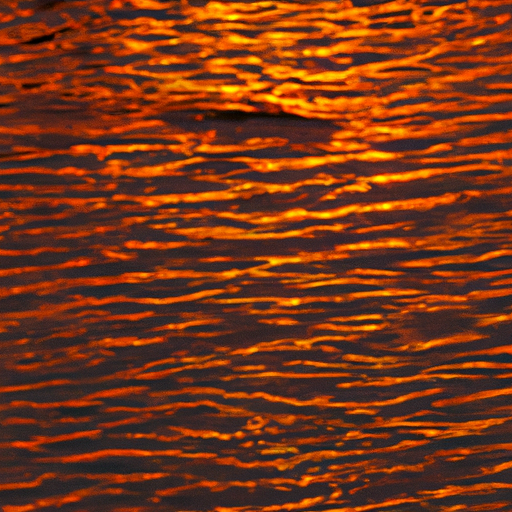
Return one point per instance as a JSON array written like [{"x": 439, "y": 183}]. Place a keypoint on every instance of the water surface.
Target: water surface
[{"x": 255, "y": 256}]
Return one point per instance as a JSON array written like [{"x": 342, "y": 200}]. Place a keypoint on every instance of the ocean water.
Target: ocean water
[{"x": 255, "y": 256}]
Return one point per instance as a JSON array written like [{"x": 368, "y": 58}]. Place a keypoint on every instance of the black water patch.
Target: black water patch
[
  {"x": 418, "y": 144},
  {"x": 362, "y": 58},
  {"x": 40, "y": 39},
  {"x": 241, "y": 115},
  {"x": 32, "y": 85},
  {"x": 48, "y": 5},
  {"x": 79, "y": 411},
  {"x": 392, "y": 14},
  {"x": 396, "y": 25},
  {"x": 45, "y": 37},
  {"x": 368, "y": 3}
]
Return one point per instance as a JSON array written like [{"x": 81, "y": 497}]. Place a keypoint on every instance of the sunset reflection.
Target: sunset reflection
[{"x": 255, "y": 256}]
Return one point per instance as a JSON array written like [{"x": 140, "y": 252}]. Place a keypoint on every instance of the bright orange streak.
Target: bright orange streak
[{"x": 481, "y": 395}]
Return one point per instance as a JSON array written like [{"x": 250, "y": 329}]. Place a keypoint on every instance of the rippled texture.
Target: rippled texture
[{"x": 255, "y": 256}]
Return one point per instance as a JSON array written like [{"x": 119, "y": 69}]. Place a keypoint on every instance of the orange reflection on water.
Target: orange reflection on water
[{"x": 186, "y": 322}]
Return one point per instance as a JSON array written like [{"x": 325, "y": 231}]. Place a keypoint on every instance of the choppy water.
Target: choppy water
[{"x": 255, "y": 256}]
